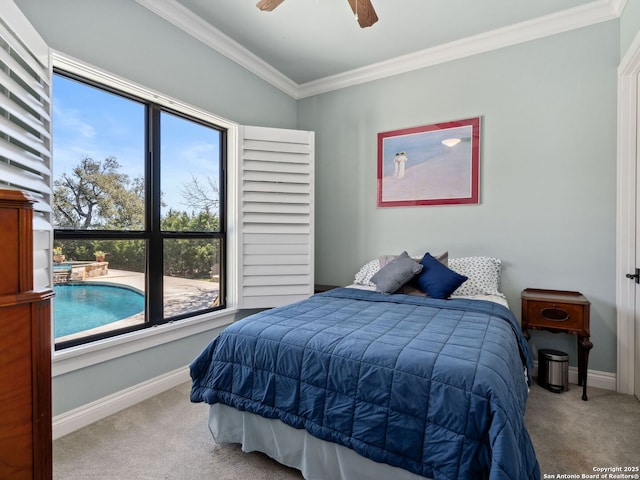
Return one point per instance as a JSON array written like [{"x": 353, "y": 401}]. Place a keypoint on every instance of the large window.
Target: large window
[{"x": 139, "y": 214}]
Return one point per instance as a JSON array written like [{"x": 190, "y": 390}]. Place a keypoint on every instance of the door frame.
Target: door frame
[{"x": 627, "y": 192}]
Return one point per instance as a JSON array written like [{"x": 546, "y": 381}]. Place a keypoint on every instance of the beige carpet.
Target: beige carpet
[
  {"x": 166, "y": 437},
  {"x": 571, "y": 436}
]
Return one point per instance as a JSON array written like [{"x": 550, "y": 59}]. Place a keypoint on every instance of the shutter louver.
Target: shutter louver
[
  {"x": 276, "y": 216},
  {"x": 25, "y": 125}
]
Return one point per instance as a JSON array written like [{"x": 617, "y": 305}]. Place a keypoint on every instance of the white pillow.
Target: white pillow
[
  {"x": 363, "y": 277},
  {"x": 483, "y": 275}
]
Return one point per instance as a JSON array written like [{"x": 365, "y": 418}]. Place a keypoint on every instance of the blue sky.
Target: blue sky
[{"x": 88, "y": 122}]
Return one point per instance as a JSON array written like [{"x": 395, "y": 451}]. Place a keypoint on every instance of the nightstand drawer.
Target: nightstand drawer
[{"x": 555, "y": 315}]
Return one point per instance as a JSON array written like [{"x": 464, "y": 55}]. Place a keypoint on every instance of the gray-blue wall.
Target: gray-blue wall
[{"x": 629, "y": 25}]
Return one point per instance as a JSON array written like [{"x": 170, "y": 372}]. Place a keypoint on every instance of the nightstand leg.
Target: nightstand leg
[
  {"x": 580, "y": 360},
  {"x": 584, "y": 345}
]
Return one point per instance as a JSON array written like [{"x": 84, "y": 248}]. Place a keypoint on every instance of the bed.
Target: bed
[{"x": 354, "y": 383}]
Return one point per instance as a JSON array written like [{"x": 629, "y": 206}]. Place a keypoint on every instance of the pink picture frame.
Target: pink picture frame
[{"x": 434, "y": 164}]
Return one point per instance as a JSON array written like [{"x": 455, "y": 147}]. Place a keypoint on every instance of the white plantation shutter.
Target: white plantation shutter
[
  {"x": 25, "y": 126},
  {"x": 276, "y": 216}
]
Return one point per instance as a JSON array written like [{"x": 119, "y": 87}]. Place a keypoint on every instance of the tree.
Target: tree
[
  {"x": 96, "y": 195},
  {"x": 191, "y": 257},
  {"x": 201, "y": 195}
]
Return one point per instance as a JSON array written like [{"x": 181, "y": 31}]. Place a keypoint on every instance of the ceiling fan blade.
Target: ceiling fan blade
[
  {"x": 365, "y": 13},
  {"x": 268, "y": 5}
]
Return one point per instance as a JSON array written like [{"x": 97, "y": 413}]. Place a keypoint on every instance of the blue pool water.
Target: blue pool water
[{"x": 80, "y": 307}]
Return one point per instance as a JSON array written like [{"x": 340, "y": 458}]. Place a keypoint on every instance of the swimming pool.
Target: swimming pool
[{"x": 80, "y": 307}]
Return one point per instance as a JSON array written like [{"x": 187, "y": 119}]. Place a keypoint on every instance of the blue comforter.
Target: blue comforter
[{"x": 436, "y": 387}]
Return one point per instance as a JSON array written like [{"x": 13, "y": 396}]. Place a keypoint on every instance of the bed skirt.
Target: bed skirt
[{"x": 316, "y": 459}]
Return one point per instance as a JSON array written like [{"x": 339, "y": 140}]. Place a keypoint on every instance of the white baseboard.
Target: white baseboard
[
  {"x": 604, "y": 380},
  {"x": 77, "y": 418}
]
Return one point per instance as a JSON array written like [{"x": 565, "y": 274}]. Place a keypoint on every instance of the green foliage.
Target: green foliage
[
  {"x": 195, "y": 222},
  {"x": 127, "y": 255},
  {"x": 190, "y": 258},
  {"x": 98, "y": 196}
]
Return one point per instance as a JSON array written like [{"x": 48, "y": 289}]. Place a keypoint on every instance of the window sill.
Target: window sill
[{"x": 82, "y": 356}]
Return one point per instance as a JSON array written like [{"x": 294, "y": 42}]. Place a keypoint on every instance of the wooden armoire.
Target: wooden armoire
[{"x": 25, "y": 348}]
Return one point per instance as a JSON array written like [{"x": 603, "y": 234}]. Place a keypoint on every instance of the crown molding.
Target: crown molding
[
  {"x": 595, "y": 12},
  {"x": 618, "y": 6},
  {"x": 190, "y": 23}
]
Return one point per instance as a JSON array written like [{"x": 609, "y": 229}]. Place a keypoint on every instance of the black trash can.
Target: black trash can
[{"x": 553, "y": 370}]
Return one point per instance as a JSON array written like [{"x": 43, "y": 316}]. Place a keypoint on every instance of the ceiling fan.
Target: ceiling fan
[{"x": 362, "y": 9}]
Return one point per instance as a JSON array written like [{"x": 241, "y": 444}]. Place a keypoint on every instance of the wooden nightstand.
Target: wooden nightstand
[
  {"x": 560, "y": 311},
  {"x": 323, "y": 288}
]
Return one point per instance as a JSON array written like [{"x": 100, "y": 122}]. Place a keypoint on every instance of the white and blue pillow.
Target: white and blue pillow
[{"x": 483, "y": 275}]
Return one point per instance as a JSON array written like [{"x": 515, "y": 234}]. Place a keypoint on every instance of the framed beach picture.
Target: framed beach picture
[{"x": 434, "y": 164}]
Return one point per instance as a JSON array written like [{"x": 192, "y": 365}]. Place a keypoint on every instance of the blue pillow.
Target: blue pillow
[{"x": 436, "y": 279}]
